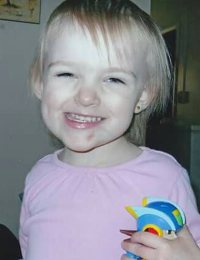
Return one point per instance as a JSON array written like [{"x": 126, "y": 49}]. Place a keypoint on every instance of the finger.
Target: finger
[
  {"x": 125, "y": 244},
  {"x": 124, "y": 257},
  {"x": 138, "y": 249},
  {"x": 147, "y": 239},
  {"x": 143, "y": 251}
]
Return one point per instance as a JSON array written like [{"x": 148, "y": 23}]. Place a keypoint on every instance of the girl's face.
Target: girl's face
[{"x": 88, "y": 100}]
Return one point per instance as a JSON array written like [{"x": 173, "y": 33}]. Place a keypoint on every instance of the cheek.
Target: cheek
[
  {"x": 127, "y": 112},
  {"x": 52, "y": 98},
  {"x": 124, "y": 115},
  {"x": 123, "y": 106},
  {"x": 50, "y": 106},
  {"x": 128, "y": 105}
]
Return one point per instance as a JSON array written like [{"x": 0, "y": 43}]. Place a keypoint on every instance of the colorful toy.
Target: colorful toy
[{"x": 158, "y": 216}]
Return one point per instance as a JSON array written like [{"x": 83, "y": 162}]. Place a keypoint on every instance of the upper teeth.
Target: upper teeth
[{"x": 83, "y": 119}]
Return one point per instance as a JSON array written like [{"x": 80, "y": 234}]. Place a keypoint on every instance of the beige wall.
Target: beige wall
[{"x": 185, "y": 15}]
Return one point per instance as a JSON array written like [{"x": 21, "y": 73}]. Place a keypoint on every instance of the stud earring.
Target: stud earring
[{"x": 138, "y": 108}]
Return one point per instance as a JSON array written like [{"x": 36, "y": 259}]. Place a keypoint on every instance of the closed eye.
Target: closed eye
[
  {"x": 116, "y": 80},
  {"x": 65, "y": 74}
]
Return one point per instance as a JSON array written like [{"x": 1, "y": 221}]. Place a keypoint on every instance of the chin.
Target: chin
[{"x": 79, "y": 148}]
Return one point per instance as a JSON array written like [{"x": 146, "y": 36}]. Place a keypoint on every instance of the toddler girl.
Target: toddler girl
[{"x": 101, "y": 70}]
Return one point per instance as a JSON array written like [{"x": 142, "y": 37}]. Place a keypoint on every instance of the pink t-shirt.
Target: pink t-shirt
[{"x": 75, "y": 213}]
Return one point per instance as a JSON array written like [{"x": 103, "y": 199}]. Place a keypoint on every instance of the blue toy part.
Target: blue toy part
[
  {"x": 157, "y": 216},
  {"x": 159, "y": 212},
  {"x": 149, "y": 215},
  {"x": 169, "y": 208},
  {"x": 132, "y": 256}
]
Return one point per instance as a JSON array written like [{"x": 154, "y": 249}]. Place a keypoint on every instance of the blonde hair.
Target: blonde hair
[{"x": 114, "y": 19}]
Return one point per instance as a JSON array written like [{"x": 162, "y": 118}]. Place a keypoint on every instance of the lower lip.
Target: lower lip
[{"x": 81, "y": 125}]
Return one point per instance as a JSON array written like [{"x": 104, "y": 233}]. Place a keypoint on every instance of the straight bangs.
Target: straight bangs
[{"x": 113, "y": 31}]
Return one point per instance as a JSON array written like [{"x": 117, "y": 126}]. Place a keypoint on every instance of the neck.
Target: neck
[{"x": 114, "y": 153}]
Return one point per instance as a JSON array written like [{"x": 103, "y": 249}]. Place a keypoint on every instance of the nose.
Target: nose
[{"x": 87, "y": 96}]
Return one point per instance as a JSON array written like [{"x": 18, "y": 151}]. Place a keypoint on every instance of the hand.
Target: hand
[{"x": 152, "y": 247}]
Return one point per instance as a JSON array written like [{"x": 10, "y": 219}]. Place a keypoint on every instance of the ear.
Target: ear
[
  {"x": 143, "y": 102},
  {"x": 38, "y": 89}
]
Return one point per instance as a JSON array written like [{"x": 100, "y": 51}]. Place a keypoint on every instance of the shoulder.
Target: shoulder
[
  {"x": 159, "y": 160},
  {"x": 157, "y": 155},
  {"x": 159, "y": 166},
  {"x": 46, "y": 166},
  {"x": 45, "y": 175}
]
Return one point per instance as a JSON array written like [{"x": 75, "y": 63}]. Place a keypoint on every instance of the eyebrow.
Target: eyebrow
[
  {"x": 116, "y": 69},
  {"x": 112, "y": 69},
  {"x": 56, "y": 63}
]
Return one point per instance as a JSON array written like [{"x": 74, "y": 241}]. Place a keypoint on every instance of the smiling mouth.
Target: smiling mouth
[{"x": 82, "y": 118}]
